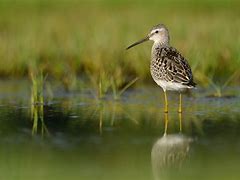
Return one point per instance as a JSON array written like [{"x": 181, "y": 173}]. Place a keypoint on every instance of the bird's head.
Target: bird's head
[{"x": 158, "y": 34}]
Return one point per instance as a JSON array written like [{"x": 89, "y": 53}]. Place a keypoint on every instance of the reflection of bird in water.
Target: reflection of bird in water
[
  {"x": 169, "y": 69},
  {"x": 169, "y": 151}
]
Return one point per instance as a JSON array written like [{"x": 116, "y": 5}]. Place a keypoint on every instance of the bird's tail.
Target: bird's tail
[{"x": 191, "y": 84}]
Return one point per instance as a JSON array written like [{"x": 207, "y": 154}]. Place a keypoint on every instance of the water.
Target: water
[{"x": 80, "y": 137}]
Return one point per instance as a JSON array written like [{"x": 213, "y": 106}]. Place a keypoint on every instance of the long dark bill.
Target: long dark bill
[{"x": 139, "y": 42}]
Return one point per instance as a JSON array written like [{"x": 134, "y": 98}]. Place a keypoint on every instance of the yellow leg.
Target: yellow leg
[
  {"x": 180, "y": 103},
  {"x": 180, "y": 122},
  {"x": 165, "y": 123},
  {"x": 166, "y": 102}
]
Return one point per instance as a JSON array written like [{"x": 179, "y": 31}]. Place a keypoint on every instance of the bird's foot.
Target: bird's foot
[{"x": 165, "y": 111}]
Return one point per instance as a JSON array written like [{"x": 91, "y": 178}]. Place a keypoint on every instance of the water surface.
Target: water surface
[{"x": 80, "y": 137}]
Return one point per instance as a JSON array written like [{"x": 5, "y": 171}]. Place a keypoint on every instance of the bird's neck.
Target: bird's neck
[
  {"x": 158, "y": 45},
  {"x": 161, "y": 43}
]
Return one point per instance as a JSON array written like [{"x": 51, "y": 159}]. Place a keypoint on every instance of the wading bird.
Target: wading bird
[{"x": 169, "y": 69}]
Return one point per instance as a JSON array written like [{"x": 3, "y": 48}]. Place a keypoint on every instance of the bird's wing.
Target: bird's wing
[{"x": 176, "y": 67}]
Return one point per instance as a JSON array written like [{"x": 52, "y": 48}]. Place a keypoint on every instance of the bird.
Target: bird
[{"x": 169, "y": 69}]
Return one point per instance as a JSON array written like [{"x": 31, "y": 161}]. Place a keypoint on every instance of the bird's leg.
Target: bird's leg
[
  {"x": 166, "y": 102},
  {"x": 165, "y": 123},
  {"x": 180, "y": 103},
  {"x": 180, "y": 122}
]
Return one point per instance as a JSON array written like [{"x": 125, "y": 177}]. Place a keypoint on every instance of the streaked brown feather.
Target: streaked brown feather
[{"x": 171, "y": 66}]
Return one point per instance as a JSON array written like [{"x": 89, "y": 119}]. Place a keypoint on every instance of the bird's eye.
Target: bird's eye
[{"x": 156, "y": 31}]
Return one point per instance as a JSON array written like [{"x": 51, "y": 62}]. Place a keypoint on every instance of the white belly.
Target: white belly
[{"x": 171, "y": 86}]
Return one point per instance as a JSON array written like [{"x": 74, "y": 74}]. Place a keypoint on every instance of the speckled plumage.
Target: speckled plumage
[
  {"x": 168, "y": 65},
  {"x": 169, "y": 69}
]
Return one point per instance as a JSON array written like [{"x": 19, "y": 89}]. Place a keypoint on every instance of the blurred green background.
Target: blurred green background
[{"x": 69, "y": 39}]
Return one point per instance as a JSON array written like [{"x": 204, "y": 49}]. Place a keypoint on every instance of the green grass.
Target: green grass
[
  {"x": 69, "y": 39},
  {"x": 37, "y": 101}
]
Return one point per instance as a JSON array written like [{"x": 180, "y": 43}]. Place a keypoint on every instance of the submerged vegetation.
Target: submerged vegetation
[
  {"x": 37, "y": 102},
  {"x": 71, "y": 39}
]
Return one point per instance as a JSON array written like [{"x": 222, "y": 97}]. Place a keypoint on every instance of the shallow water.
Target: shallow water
[{"x": 80, "y": 137}]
